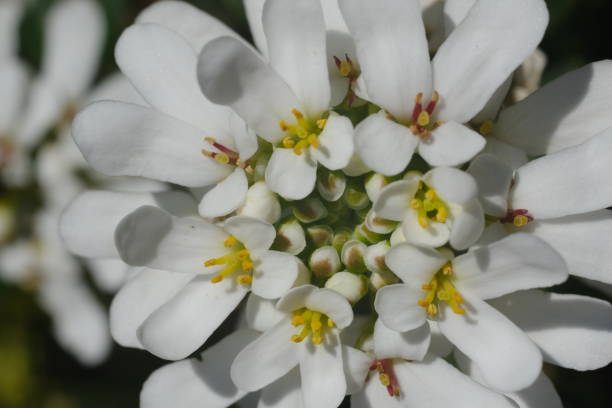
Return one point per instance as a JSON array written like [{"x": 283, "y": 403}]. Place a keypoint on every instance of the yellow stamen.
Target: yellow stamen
[
  {"x": 430, "y": 195},
  {"x": 441, "y": 289},
  {"x": 384, "y": 379},
  {"x": 441, "y": 214},
  {"x": 288, "y": 142},
  {"x": 313, "y": 140},
  {"x": 486, "y": 127},
  {"x": 345, "y": 68},
  {"x": 237, "y": 259},
  {"x": 423, "y": 221},
  {"x": 415, "y": 204},
  {"x": 423, "y": 119},
  {"x": 244, "y": 279},
  {"x": 313, "y": 324},
  {"x": 321, "y": 123},
  {"x": 283, "y": 125},
  {"x": 222, "y": 158},
  {"x": 230, "y": 241},
  {"x": 520, "y": 220}
]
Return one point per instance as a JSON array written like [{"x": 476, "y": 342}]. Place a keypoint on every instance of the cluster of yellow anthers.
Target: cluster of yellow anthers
[
  {"x": 238, "y": 259},
  {"x": 313, "y": 323},
  {"x": 225, "y": 155},
  {"x": 441, "y": 288},
  {"x": 303, "y": 134},
  {"x": 428, "y": 205},
  {"x": 421, "y": 123}
]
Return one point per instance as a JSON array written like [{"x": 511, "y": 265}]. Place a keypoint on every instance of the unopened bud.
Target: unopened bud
[
  {"x": 353, "y": 287},
  {"x": 375, "y": 256},
  {"x": 324, "y": 262},
  {"x": 383, "y": 278},
  {"x": 331, "y": 185},
  {"x": 379, "y": 225},
  {"x": 290, "y": 237},
  {"x": 261, "y": 203},
  {"x": 374, "y": 185},
  {"x": 356, "y": 167},
  {"x": 397, "y": 237},
  {"x": 363, "y": 234},
  {"x": 320, "y": 235},
  {"x": 309, "y": 210},
  {"x": 353, "y": 254},
  {"x": 356, "y": 199},
  {"x": 341, "y": 236}
]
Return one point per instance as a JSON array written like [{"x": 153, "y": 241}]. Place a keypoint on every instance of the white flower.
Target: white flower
[
  {"x": 287, "y": 101},
  {"x": 452, "y": 293},
  {"x": 224, "y": 263},
  {"x": 434, "y": 208},
  {"x": 559, "y": 198},
  {"x": 428, "y": 101},
  {"x": 308, "y": 337}
]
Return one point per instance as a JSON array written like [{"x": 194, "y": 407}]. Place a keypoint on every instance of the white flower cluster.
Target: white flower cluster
[{"x": 358, "y": 189}]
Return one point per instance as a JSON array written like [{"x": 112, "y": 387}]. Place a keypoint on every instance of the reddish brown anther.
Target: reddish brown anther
[
  {"x": 518, "y": 217},
  {"x": 387, "y": 376}
]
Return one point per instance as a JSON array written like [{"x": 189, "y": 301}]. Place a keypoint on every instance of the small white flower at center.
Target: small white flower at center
[
  {"x": 304, "y": 133},
  {"x": 238, "y": 259}
]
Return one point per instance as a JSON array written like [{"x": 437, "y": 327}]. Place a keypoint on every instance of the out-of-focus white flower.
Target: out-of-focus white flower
[
  {"x": 452, "y": 293},
  {"x": 438, "y": 207},
  {"x": 287, "y": 101}
]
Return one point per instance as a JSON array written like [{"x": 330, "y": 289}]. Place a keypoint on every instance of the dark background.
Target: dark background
[{"x": 35, "y": 372}]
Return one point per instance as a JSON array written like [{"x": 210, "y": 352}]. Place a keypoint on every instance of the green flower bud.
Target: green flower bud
[{"x": 320, "y": 235}]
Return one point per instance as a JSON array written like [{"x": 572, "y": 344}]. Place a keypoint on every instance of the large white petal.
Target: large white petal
[
  {"x": 266, "y": 359},
  {"x": 73, "y": 40},
  {"x": 232, "y": 74},
  {"x": 139, "y": 298},
  {"x": 563, "y": 113},
  {"x": 392, "y": 51},
  {"x": 493, "y": 178},
  {"x": 394, "y": 199},
  {"x": 187, "y": 383},
  {"x": 284, "y": 392},
  {"x": 121, "y": 139},
  {"x": 397, "y": 307},
  {"x": 336, "y": 145},
  {"x": 467, "y": 225},
  {"x": 451, "y": 144},
  {"x": 482, "y": 52},
  {"x": 582, "y": 240},
  {"x": 410, "y": 345},
  {"x": 184, "y": 323},
  {"x": 414, "y": 265},
  {"x": 572, "y": 331},
  {"x": 275, "y": 272},
  {"x": 384, "y": 146},
  {"x": 322, "y": 372},
  {"x": 567, "y": 182},
  {"x": 150, "y": 236},
  {"x": 88, "y": 224},
  {"x": 290, "y": 175},
  {"x": 226, "y": 196},
  {"x": 193, "y": 24},
  {"x": 507, "y": 358},
  {"x": 295, "y": 33},
  {"x": 517, "y": 262}
]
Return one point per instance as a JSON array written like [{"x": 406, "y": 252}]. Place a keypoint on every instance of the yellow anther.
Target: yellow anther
[
  {"x": 299, "y": 146},
  {"x": 427, "y": 286},
  {"x": 435, "y": 97},
  {"x": 447, "y": 270},
  {"x": 431, "y": 195},
  {"x": 432, "y": 310},
  {"x": 441, "y": 214},
  {"x": 244, "y": 279},
  {"x": 313, "y": 140},
  {"x": 222, "y": 158},
  {"x": 441, "y": 289},
  {"x": 443, "y": 295},
  {"x": 330, "y": 323},
  {"x": 486, "y": 127},
  {"x": 210, "y": 262},
  {"x": 317, "y": 339},
  {"x": 384, "y": 379},
  {"x": 230, "y": 241},
  {"x": 419, "y": 98},
  {"x": 216, "y": 279},
  {"x": 423, "y": 221},
  {"x": 247, "y": 265},
  {"x": 423, "y": 119},
  {"x": 297, "y": 320},
  {"x": 210, "y": 140},
  {"x": 243, "y": 253},
  {"x": 345, "y": 68},
  {"x": 288, "y": 142},
  {"x": 313, "y": 324},
  {"x": 415, "y": 204},
  {"x": 520, "y": 220},
  {"x": 321, "y": 123},
  {"x": 296, "y": 338},
  {"x": 283, "y": 126},
  {"x": 297, "y": 114}
]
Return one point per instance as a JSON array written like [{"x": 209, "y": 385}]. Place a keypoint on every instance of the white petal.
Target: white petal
[
  {"x": 398, "y": 308},
  {"x": 88, "y": 224},
  {"x": 435, "y": 234},
  {"x": 582, "y": 240},
  {"x": 394, "y": 199},
  {"x": 451, "y": 144},
  {"x": 266, "y": 359},
  {"x": 392, "y": 51},
  {"x": 482, "y": 52},
  {"x": 13, "y": 83},
  {"x": 414, "y": 265},
  {"x": 108, "y": 274},
  {"x": 454, "y": 13},
  {"x": 275, "y": 272},
  {"x": 138, "y": 299},
  {"x": 384, "y": 146},
  {"x": 254, "y": 10},
  {"x": 290, "y": 175},
  {"x": 567, "y": 182},
  {"x": 193, "y": 24},
  {"x": 493, "y": 178},
  {"x": 331, "y": 303},
  {"x": 115, "y": 87},
  {"x": 295, "y": 298},
  {"x": 512, "y": 156},
  {"x": 410, "y": 345},
  {"x": 356, "y": 368},
  {"x": 494, "y": 104},
  {"x": 507, "y": 358},
  {"x": 256, "y": 235},
  {"x": 226, "y": 196},
  {"x": 183, "y": 383},
  {"x": 10, "y": 17},
  {"x": 517, "y": 262},
  {"x": 541, "y": 394},
  {"x": 572, "y": 331},
  {"x": 336, "y": 143},
  {"x": 121, "y": 139},
  {"x": 435, "y": 383},
  {"x": 564, "y": 113},
  {"x": 232, "y": 74},
  {"x": 284, "y": 392},
  {"x": 374, "y": 394},
  {"x": 322, "y": 372},
  {"x": 152, "y": 237},
  {"x": 261, "y": 314},
  {"x": 184, "y": 323},
  {"x": 452, "y": 185},
  {"x": 42, "y": 112},
  {"x": 439, "y": 345},
  {"x": 467, "y": 225},
  {"x": 73, "y": 40},
  {"x": 295, "y": 34}
]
